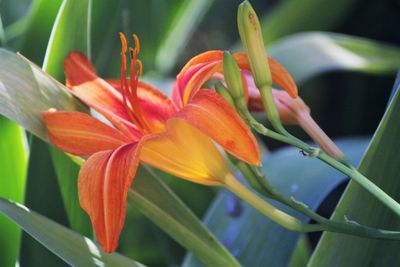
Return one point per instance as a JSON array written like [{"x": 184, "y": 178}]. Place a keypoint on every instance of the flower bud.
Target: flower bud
[
  {"x": 251, "y": 36},
  {"x": 222, "y": 91},
  {"x": 233, "y": 76}
]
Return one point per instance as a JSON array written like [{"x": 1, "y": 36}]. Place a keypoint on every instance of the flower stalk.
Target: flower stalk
[
  {"x": 345, "y": 168},
  {"x": 291, "y": 223}
]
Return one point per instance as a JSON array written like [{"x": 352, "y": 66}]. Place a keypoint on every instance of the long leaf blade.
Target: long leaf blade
[
  {"x": 25, "y": 91},
  {"x": 74, "y": 249},
  {"x": 43, "y": 195},
  {"x": 13, "y": 158},
  {"x": 71, "y": 32},
  {"x": 381, "y": 164},
  {"x": 155, "y": 200},
  {"x": 306, "y": 55}
]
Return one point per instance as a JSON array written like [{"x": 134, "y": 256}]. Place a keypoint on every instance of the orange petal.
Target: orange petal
[
  {"x": 210, "y": 113},
  {"x": 79, "y": 134},
  {"x": 156, "y": 106},
  {"x": 202, "y": 67},
  {"x": 103, "y": 185},
  {"x": 199, "y": 78},
  {"x": 207, "y": 56},
  {"x": 190, "y": 69},
  {"x": 97, "y": 93},
  {"x": 185, "y": 152}
]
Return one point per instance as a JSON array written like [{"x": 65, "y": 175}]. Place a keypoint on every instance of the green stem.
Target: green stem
[
  {"x": 350, "y": 171},
  {"x": 291, "y": 223},
  {"x": 276, "y": 215},
  {"x": 270, "y": 108}
]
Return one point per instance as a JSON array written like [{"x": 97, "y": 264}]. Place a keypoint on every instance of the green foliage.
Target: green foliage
[
  {"x": 307, "y": 55},
  {"x": 26, "y": 91},
  {"x": 381, "y": 164},
  {"x": 13, "y": 158},
  {"x": 67, "y": 176},
  {"x": 68, "y": 35},
  {"x": 292, "y": 16},
  {"x": 257, "y": 241},
  {"x": 42, "y": 195},
  {"x": 74, "y": 249},
  {"x": 36, "y": 27},
  {"x": 165, "y": 28},
  {"x": 155, "y": 200}
]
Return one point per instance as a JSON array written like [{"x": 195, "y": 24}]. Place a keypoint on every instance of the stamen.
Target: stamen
[{"x": 129, "y": 93}]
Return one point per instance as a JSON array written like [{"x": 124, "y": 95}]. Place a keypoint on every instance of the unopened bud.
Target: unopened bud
[
  {"x": 252, "y": 39},
  {"x": 222, "y": 91},
  {"x": 251, "y": 36},
  {"x": 233, "y": 76}
]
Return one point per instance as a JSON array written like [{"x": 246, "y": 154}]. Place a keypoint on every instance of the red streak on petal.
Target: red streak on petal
[
  {"x": 103, "y": 185},
  {"x": 80, "y": 134}
]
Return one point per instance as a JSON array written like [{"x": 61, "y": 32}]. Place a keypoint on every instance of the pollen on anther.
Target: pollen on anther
[
  {"x": 140, "y": 66},
  {"x": 123, "y": 42},
  {"x": 137, "y": 43}
]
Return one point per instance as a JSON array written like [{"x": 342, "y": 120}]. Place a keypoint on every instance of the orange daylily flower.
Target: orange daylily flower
[
  {"x": 145, "y": 127},
  {"x": 291, "y": 108},
  {"x": 210, "y": 65}
]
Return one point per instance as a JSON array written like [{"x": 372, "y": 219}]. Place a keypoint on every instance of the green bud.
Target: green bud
[
  {"x": 252, "y": 39},
  {"x": 233, "y": 76},
  {"x": 222, "y": 91}
]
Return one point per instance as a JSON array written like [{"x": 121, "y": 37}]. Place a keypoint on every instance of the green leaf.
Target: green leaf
[
  {"x": 307, "y": 55},
  {"x": 254, "y": 239},
  {"x": 25, "y": 91},
  {"x": 157, "y": 202},
  {"x": 44, "y": 196},
  {"x": 35, "y": 29},
  {"x": 13, "y": 158},
  {"x": 71, "y": 32},
  {"x": 74, "y": 249},
  {"x": 2, "y": 36},
  {"x": 291, "y": 16},
  {"x": 67, "y": 174},
  {"x": 182, "y": 26},
  {"x": 381, "y": 164},
  {"x": 164, "y": 28}
]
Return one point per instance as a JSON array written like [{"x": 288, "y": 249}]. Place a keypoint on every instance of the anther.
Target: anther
[
  {"x": 123, "y": 42},
  {"x": 137, "y": 43},
  {"x": 140, "y": 67}
]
